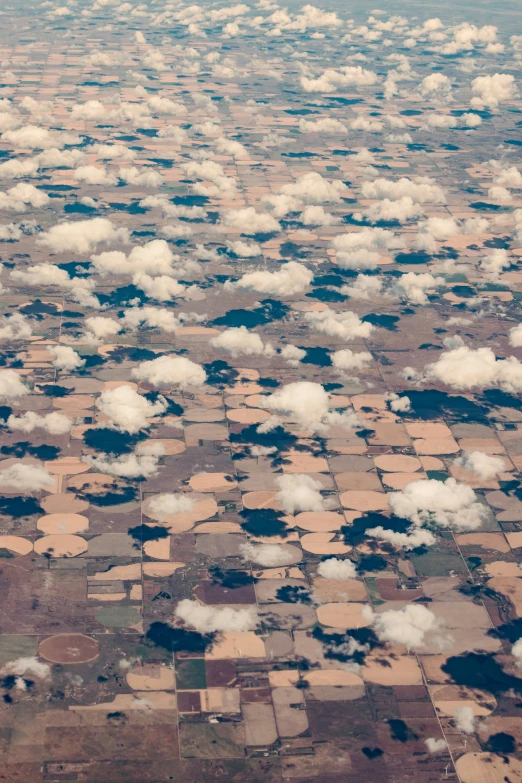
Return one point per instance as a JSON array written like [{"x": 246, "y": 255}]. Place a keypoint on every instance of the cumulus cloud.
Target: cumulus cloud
[
  {"x": 267, "y": 555},
  {"x": 299, "y": 492},
  {"x": 335, "y": 568},
  {"x": 248, "y": 221},
  {"x": 464, "y": 718},
  {"x": 238, "y": 340},
  {"x": 466, "y": 368},
  {"x": 485, "y": 466},
  {"x": 22, "y": 196},
  {"x": 53, "y": 423},
  {"x": 445, "y": 504},
  {"x": 170, "y": 371},
  {"x": 345, "y": 326},
  {"x": 413, "y": 287},
  {"x": 347, "y": 76},
  {"x": 293, "y": 355},
  {"x": 292, "y": 278},
  {"x": 139, "y": 464},
  {"x": 26, "y": 477},
  {"x": 162, "y": 288},
  {"x": 100, "y": 328},
  {"x": 153, "y": 258},
  {"x": 515, "y": 336},
  {"x": 346, "y": 360},
  {"x": 436, "y": 746},
  {"x": 27, "y": 665},
  {"x": 516, "y": 652},
  {"x": 492, "y": 90},
  {"x": 212, "y": 172},
  {"x": 326, "y": 126},
  {"x": 127, "y": 410},
  {"x": 152, "y": 317},
  {"x": 94, "y": 175},
  {"x": 364, "y": 287},
  {"x": 166, "y": 504},
  {"x": 307, "y": 404},
  {"x": 83, "y": 236},
  {"x": 411, "y": 626},
  {"x": 312, "y": 188},
  {"x": 360, "y": 249},
  {"x": 216, "y": 619},
  {"x": 65, "y": 358},
  {"x": 34, "y": 137},
  {"x": 11, "y": 385},
  {"x": 14, "y": 327},
  {"x": 413, "y": 538},
  {"x": 386, "y": 211},
  {"x": 436, "y": 85},
  {"x": 422, "y": 189}
]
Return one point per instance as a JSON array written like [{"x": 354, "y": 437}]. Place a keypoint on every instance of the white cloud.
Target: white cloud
[
  {"x": 485, "y": 466},
  {"x": 312, "y": 188},
  {"x": 347, "y": 76},
  {"x": 33, "y": 137},
  {"x": 65, "y": 358},
  {"x": 267, "y": 555},
  {"x": 307, "y": 404},
  {"x": 142, "y": 464},
  {"x": 334, "y": 568},
  {"x": 346, "y": 360},
  {"x": 162, "y": 506},
  {"x": 412, "y": 539},
  {"x": 231, "y": 147},
  {"x": 170, "y": 370},
  {"x": 509, "y": 178},
  {"x": 83, "y": 236},
  {"x": 299, "y": 492},
  {"x": 26, "y": 477},
  {"x": 515, "y": 336},
  {"x": 53, "y": 423},
  {"x": 244, "y": 249},
  {"x": 292, "y": 278},
  {"x": 364, "y": 287},
  {"x": 401, "y": 210},
  {"x": 210, "y": 171},
  {"x": 326, "y": 126},
  {"x": 15, "y": 327},
  {"x": 422, "y": 189},
  {"x": 464, "y": 718},
  {"x": 11, "y": 385},
  {"x": 413, "y": 287},
  {"x": 161, "y": 288},
  {"x": 360, "y": 249},
  {"x": 220, "y": 619},
  {"x": 21, "y": 196},
  {"x": 502, "y": 195},
  {"x": 436, "y": 746},
  {"x": 317, "y": 216},
  {"x": 100, "y": 328},
  {"x": 16, "y": 169},
  {"x": 411, "y": 626},
  {"x": 28, "y": 665},
  {"x": 94, "y": 175},
  {"x": 152, "y": 317},
  {"x": 516, "y": 652},
  {"x": 436, "y": 85},
  {"x": 443, "y": 504},
  {"x": 238, "y": 340},
  {"x": 491, "y": 90},
  {"x": 465, "y": 368},
  {"x": 154, "y": 258},
  {"x": 293, "y": 355},
  {"x": 145, "y": 178},
  {"x": 345, "y": 326},
  {"x": 250, "y": 222},
  {"x": 127, "y": 410}
]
